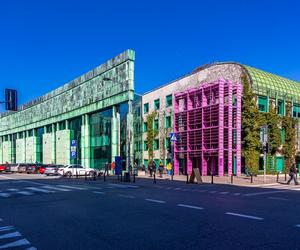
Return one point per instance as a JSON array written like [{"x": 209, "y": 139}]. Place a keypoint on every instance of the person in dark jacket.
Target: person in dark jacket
[
  {"x": 293, "y": 174},
  {"x": 150, "y": 168}
]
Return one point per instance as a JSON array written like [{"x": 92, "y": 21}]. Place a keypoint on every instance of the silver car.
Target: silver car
[
  {"x": 52, "y": 169},
  {"x": 14, "y": 168}
]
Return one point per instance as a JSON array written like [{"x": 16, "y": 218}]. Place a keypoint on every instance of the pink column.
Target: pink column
[
  {"x": 229, "y": 128},
  {"x": 176, "y": 165},
  {"x": 221, "y": 129},
  {"x": 189, "y": 164},
  {"x": 238, "y": 128},
  {"x": 204, "y": 162},
  {"x": 204, "y": 165},
  {"x": 175, "y": 159}
]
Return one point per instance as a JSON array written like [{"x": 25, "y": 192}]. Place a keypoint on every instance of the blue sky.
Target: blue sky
[{"x": 45, "y": 44}]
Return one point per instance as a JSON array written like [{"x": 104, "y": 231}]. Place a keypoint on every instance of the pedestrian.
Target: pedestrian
[
  {"x": 106, "y": 168},
  {"x": 161, "y": 169},
  {"x": 135, "y": 169},
  {"x": 113, "y": 167},
  {"x": 150, "y": 168},
  {"x": 293, "y": 174},
  {"x": 154, "y": 167},
  {"x": 169, "y": 168}
]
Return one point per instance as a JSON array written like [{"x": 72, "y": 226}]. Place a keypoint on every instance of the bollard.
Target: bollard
[
  {"x": 154, "y": 179},
  {"x": 231, "y": 178},
  {"x": 251, "y": 178},
  {"x": 212, "y": 179},
  {"x": 277, "y": 177},
  {"x": 187, "y": 178}
]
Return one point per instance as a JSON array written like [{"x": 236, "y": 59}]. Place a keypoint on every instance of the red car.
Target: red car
[
  {"x": 42, "y": 169},
  {"x": 2, "y": 167}
]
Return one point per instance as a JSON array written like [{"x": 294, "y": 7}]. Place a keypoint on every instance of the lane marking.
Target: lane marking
[
  {"x": 6, "y": 228},
  {"x": 177, "y": 188},
  {"x": 24, "y": 193},
  {"x": 297, "y": 225},
  {"x": 31, "y": 248},
  {"x": 17, "y": 243},
  {"x": 189, "y": 206},
  {"x": 202, "y": 191},
  {"x": 212, "y": 192},
  {"x": 40, "y": 190},
  {"x": 5, "y": 195},
  {"x": 13, "y": 189},
  {"x": 277, "y": 198},
  {"x": 56, "y": 188},
  {"x": 72, "y": 187},
  {"x": 98, "y": 192},
  {"x": 168, "y": 188},
  {"x": 262, "y": 193},
  {"x": 236, "y": 194},
  {"x": 223, "y": 192},
  {"x": 245, "y": 216},
  {"x": 127, "y": 196},
  {"x": 157, "y": 201},
  {"x": 10, "y": 235}
]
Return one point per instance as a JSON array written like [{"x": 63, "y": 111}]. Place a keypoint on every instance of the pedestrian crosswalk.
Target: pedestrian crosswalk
[
  {"x": 11, "y": 238},
  {"x": 280, "y": 186},
  {"x": 49, "y": 189}
]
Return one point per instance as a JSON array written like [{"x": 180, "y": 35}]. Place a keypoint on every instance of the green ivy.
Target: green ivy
[{"x": 151, "y": 134}]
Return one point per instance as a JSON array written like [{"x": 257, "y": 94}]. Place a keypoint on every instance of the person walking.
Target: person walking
[
  {"x": 161, "y": 169},
  {"x": 154, "y": 167},
  {"x": 293, "y": 174},
  {"x": 113, "y": 167},
  {"x": 106, "y": 168},
  {"x": 169, "y": 168}
]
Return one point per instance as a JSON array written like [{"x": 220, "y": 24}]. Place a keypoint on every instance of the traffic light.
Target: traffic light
[{"x": 11, "y": 101}]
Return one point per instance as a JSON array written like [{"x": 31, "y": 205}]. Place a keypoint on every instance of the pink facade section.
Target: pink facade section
[{"x": 208, "y": 127}]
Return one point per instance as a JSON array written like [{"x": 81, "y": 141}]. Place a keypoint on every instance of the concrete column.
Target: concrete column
[
  {"x": 85, "y": 141},
  {"x": 53, "y": 141},
  {"x": 115, "y": 134}
]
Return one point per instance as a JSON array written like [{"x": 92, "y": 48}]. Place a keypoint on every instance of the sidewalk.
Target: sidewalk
[{"x": 242, "y": 180}]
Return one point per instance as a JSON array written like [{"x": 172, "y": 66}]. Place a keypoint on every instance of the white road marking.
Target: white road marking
[
  {"x": 244, "y": 216},
  {"x": 10, "y": 235},
  {"x": 236, "y": 194},
  {"x": 168, "y": 188},
  {"x": 157, "y": 201},
  {"x": 127, "y": 196},
  {"x": 262, "y": 193},
  {"x": 212, "y": 192},
  {"x": 98, "y": 192},
  {"x": 72, "y": 187},
  {"x": 40, "y": 190},
  {"x": 223, "y": 192},
  {"x": 177, "y": 188},
  {"x": 13, "y": 190},
  {"x": 277, "y": 198},
  {"x": 56, "y": 188},
  {"x": 1, "y": 220},
  {"x": 6, "y": 228},
  {"x": 24, "y": 193},
  {"x": 5, "y": 195},
  {"x": 297, "y": 225},
  {"x": 202, "y": 191},
  {"x": 17, "y": 243},
  {"x": 31, "y": 248},
  {"x": 189, "y": 206}
]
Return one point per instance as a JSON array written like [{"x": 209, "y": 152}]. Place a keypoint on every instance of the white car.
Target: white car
[{"x": 76, "y": 170}]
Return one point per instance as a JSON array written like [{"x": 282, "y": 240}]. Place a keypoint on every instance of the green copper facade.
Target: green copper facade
[{"x": 41, "y": 130}]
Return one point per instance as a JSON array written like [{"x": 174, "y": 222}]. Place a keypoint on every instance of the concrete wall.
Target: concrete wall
[
  {"x": 31, "y": 145},
  {"x": 20, "y": 150},
  {"x": 63, "y": 139}
]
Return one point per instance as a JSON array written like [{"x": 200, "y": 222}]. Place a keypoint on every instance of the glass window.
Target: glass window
[
  {"x": 62, "y": 125},
  {"x": 30, "y": 132},
  {"x": 169, "y": 100},
  {"x": 168, "y": 143},
  {"x": 145, "y": 126},
  {"x": 146, "y": 108},
  {"x": 156, "y": 144},
  {"x": 145, "y": 145},
  {"x": 280, "y": 107},
  {"x": 263, "y": 104},
  {"x": 296, "y": 110},
  {"x": 156, "y": 104},
  {"x": 156, "y": 124},
  {"x": 168, "y": 121},
  {"x": 49, "y": 128}
]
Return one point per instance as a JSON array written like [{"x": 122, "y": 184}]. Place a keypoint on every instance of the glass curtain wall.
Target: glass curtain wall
[
  {"x": 124, "y": 142},
  {"x": 100, "y": 138},
  {"x": 39, "y": 144}
]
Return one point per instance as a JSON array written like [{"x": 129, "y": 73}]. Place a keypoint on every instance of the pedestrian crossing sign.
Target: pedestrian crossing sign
[{"x": 173, "y": 137}]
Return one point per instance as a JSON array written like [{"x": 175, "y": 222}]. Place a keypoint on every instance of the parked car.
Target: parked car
[
  {"x": 42, "y": 168},
  {"x": 3, "y": 167},
  {"x": 22, "y": 168},
  {"x": 75, "y": 169},
  {"x": 14, "y": 168},
  {"x": 32, "y": 168},
  {"x": 52, "y": 169}
]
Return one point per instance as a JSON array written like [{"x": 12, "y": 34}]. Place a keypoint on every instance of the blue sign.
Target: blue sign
[
  {"x": 73, "y": 149},
  {"x": 173, "y": 137},
  {"x": 118, "y": 161}
]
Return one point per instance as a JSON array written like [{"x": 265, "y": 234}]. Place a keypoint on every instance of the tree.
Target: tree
[
  {"x": 288, "y": 149},
  {"x": 151, "y": 134},
  {"x": 250, "y": 128}
]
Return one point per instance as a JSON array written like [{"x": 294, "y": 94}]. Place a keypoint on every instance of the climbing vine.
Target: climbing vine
[
  {"x": 288, "y": 149},
  {"x": 151, "y": 134}
]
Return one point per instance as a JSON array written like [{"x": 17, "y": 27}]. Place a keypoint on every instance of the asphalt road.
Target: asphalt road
[{"x": 50, "y": 213}]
